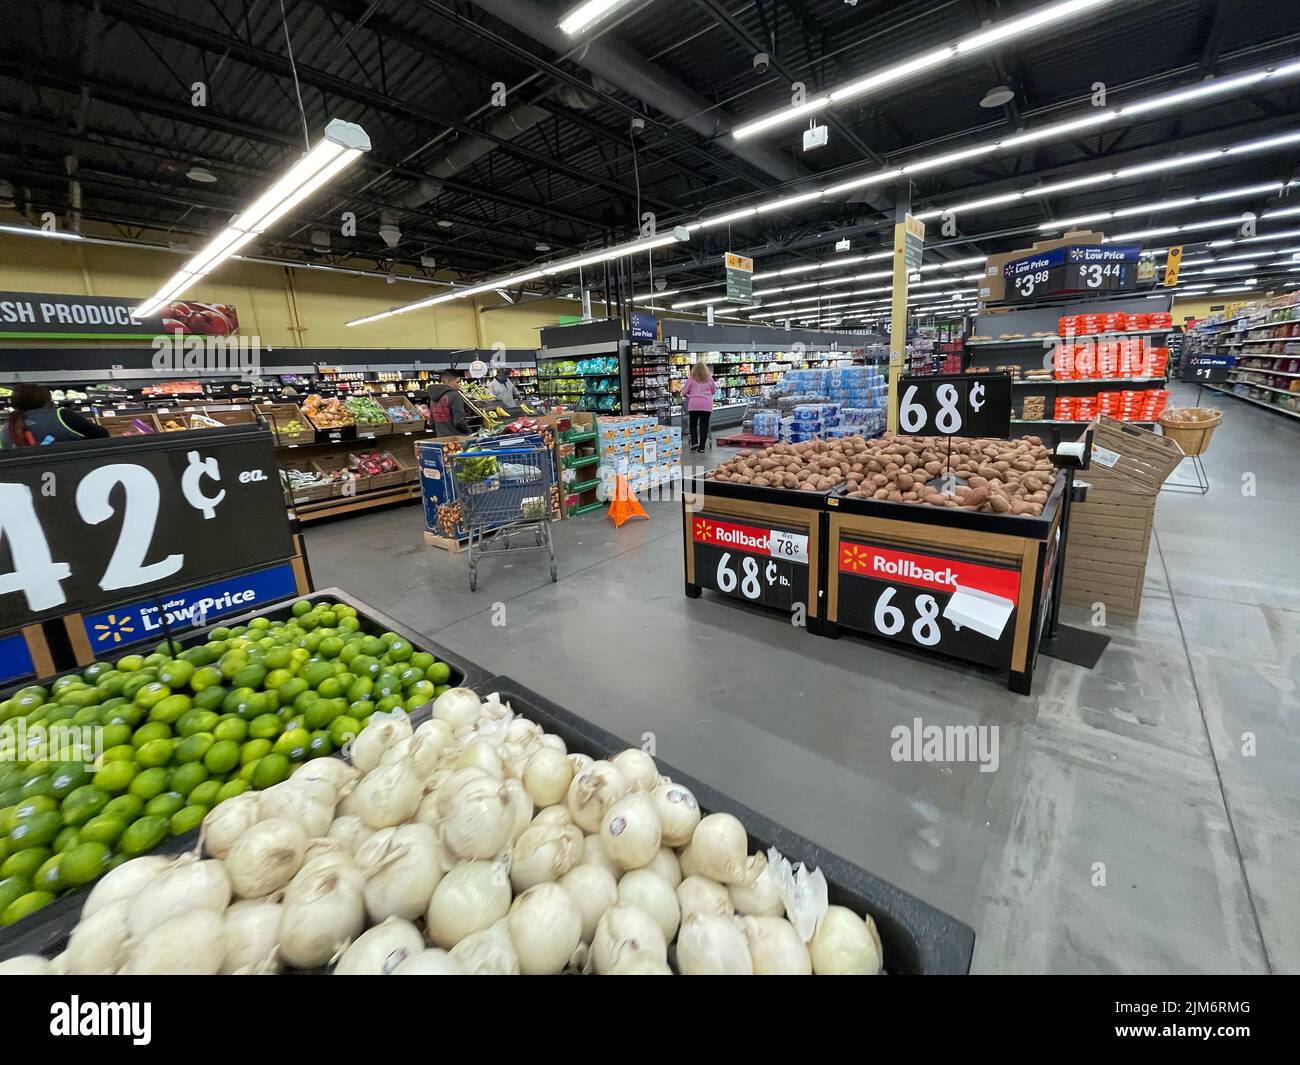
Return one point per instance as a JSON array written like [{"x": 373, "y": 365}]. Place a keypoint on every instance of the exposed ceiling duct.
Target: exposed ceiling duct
[{"x": 469, "y": 150}]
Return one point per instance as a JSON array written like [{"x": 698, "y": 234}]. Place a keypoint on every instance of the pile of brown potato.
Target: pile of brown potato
[{"x": 1002, "y": 476}]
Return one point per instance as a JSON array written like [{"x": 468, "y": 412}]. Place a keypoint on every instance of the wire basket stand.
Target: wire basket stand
[{"x": 504, "y": 494}]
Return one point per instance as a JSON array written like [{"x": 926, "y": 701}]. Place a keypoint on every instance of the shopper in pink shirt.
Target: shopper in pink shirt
[{"x": 697, "y": 393}]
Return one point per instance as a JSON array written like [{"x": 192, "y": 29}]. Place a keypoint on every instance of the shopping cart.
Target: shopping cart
[{"x": 504, "y": 492}]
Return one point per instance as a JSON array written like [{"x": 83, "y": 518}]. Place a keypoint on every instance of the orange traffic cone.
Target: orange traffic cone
[{"x": 625, "y": 505}]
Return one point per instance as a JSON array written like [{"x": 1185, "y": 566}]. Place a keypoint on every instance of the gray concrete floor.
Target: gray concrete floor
[{"x": 1127, "y": 829}]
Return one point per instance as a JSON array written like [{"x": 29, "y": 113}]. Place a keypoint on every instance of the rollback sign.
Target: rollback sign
[
  {"x": 764, "y": 564},
  {"x": 938, "y": 602}
]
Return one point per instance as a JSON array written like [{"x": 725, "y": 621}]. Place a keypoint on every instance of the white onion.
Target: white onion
[
  {"x": 592, "y": 792},
  {"x": 547, "y": 776},
  {"x": 188, "y": 944},
  {"x": 225, "y": 823},
  {"x": 387, "y": 796},
  {"x": 477, "y": 817},
  {"x": 638, "y": 768},
  {"x": 523, "y": 731},
  {"x": 521, "y": 808},
  {"x": 545, "y": 928},
  {"x": 251, "y": 935},
  {"x": 322, "y": 856},
  {"x": 343, "y": 776},
  {"x": 322, "y": 913},
  {"x": 761, "y": 898},
  {"x": 593, "y": 890},
  {"x": 456, "y": 706},
  {"x": 514, "y": 757},
  {"x": 623, "y": 931},
  {"x": 710, "y": 945},
  {"x": 578, "y": 762},
  {"x": 99, "y": 944},
  {"x": 186, "y": 886},
  {"x": 27, "y": 965},
  {"x": 380, "y": 733},
  {"x": 719, "y": 849},
  {"x": 318, "y": 789},
  {"x": 430, "y": 962},
  {"x": 845, "y": 945},
  {"x": 686, "y": 862},
  {"x": 495, "y": 710},
  {"x": 402, "y": 866},
  {"x": 349, "y": 830},
  {"x": 435, "y": 733},
  {"x": 679, "y": 813},
  {"x": 543, "y": 853},
  {"x": 482, "y": 754},
  {"x": 488, "y": 952},
  {"x": 640, "y": 965},
  {"x": 775, "y": 947},
  {"x": 381, "y": 949},
  {"x": 472, "y": 896},
  {"x": 699, "y": 895},
  {"x": 665, "y": 864},
  {"x": 125, "y": 882},
  {"x": 266, "y": 857},
  {"x": 629, "y": 831},
  {"x": 296, "y": 804},
  {"x": 549, "y": 739},
  {"x": 651, "y": 893},
  {"x": 554, "y": 815},
  {"x": 594, "y": 853}
]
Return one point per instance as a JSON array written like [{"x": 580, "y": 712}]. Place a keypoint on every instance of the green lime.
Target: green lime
[
  {"x": 165, "y": 805},
  {"x": 231, "y": 788},
  {"x": 84, "y": 863},
  {"x": 389, "y": 703},
  {"x": 23, "y": 864},
  {"x": 115, "y": 776},
  {"x": 247, "y": 770},
  {"x": 361, "y": 709},
  {"x": 176, "y": 674},
  {"x": 151, "y": 694},
  {"x": 327, "y": 618},
  {"x": 232, "y": 662},
  {"x": 366, "y": 666},
  {"x": 102, "y": 829},
  {"x": 221, "y": 632},
  {"x": 185, "y": 778},
  {"x": 330, "y": 647},
  {"x": 423, "y": 690},
  {"x": 29, "y": 807},
  {"x": 271, "y": 770},
  {"x": 293, "y": 744},
  {"x": 330, "y": 688},
  {"x": 213, "y": 699},
  {"x": 65, "y": 840},
  {"x": 187, "y": 820},
  {"x": 205, "y": 794},
  {"x": 413, "y": 703},
  {"x": 83, "y": 804},
  {"x": 193, "y": 748},
  {"x": 196, "y": 721},
  {"x": 277, "y": 678},
  {"x": 134, "y": 683},
  {"x": 266, "y": 727},
  {"x": 278, "y": 657},
  {"x": 249, "y": 677},
  {"x": 439, "y": 673},
  {"x": 81, "y": 697},
  {"x": 231, "y": 728},
  {"x": 49, "y": 877},
  {"x": 422, "y": 659},
  {"x": 112, "y": 683},
  {"x": 222, "y": 756},
  {"x": 301, "y": 607},
  {"x": 24, "y": 906},
  {"x": 15, "y": 887},
  {"x": 123, "y": 752},
  {"x": 39, "y": 785},
  {"x": 343, "y": 729},
  {"x": 198, "y": 657},
  {"x": 167, "y": 649},
  {"x": 143, "y": 836},
  {"x": 261, "y": 703},
  {"x": 64, "y": 684},
  {"x": 260, "y": 623},
  {"x": 322, "y": 713},
  {"x": 320, "y": 744},
  {"x": 124, "y": 807},
  {"x": 153, "y": 730},
  {"x": 350, "y": 651},
  {"x": 155, "y": 753},
  {"x": 441, "y": 688},
  {"x": 400, "y": 650},
  {"x": 253, "y": 750},
  {"x": 206, "y": 677},
  {"x": 410, "y": 675},
  {"x": 360, "y": 688},
  {"x": 151, "y": 782},
  {"x": 315, "y": 672},
  {"x": 169, "y": 708},
  {"x": 291, "y": 689},
  {"x": 38, "y": 830},
  {"x": 115, "y": 734}
]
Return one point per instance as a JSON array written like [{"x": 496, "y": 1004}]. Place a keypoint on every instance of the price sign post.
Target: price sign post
[{"x": 125, "y": 528}]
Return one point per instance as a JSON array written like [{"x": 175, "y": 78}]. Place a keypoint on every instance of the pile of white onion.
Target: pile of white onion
[{"x": 475, "y": 844}]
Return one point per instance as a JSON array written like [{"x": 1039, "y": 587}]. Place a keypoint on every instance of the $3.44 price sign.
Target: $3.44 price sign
[
  {"x": 960, "y": 608},
  {"x": 759, "y": 564},
  {"x": 87, "y": 526},
  {"x": 955, "y": 405}
]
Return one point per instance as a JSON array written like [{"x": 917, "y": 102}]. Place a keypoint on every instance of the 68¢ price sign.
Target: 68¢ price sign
[
  {"x": 87, "y": 526},
  {"x": 955, "y": 405},
  {"x": 763, "y": 565}
]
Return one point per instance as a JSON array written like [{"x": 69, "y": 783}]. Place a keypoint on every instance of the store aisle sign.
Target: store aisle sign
[
  {"x": 44, "y": 314},
  {"x": 192, "y": 608},
  {"x": 955, "y": 404},
  {"x": 15, "y": 658},
  {"x": 913, "y": 243},
  {"x": 84, "y": 526},
  {"x": 740, "y": 278},
  {"x": 1173, "y": 263},
  {"x": 939, "y": 602},
  {"x": 767, "y": 565}
]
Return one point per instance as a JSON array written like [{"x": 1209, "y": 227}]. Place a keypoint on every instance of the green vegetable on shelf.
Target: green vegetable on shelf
[{"x": 366, "y": 410}]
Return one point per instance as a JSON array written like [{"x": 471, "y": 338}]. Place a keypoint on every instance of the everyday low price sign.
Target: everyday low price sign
[
  {"x": 1072, "y": 268},
  {"x": 85, "y": 526},
  {"x": 939, "y": 602},
  {"x": 767, "y": 565}
]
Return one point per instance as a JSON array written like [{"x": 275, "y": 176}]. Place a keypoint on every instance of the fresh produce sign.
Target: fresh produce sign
[
  {"x": 86, "y": 526},
  {"x": 937, "y": 602},
  {"x": 68, "y": 317},
  {"x": 767, "y": 565},
  {"x": 104, "y": 765}
]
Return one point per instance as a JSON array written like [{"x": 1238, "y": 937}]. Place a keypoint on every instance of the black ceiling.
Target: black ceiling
[{"x": 104, "y": 88}]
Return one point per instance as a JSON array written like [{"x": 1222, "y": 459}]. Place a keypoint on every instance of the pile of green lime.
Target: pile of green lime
[{"x": 178, "y": 731}]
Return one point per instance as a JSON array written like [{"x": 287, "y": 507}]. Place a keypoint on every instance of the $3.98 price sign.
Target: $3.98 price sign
[
  {"x": 760, "y": 564},
  {"x": 87, "y": 526},
  {"x": 909, "y": 597},
  {"x": 955, "y": 405}
]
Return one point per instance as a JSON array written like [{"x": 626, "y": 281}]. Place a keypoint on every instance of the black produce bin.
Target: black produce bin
[
  {"x": 63, "y": 913},
  {"x": 917, "y": 939}
]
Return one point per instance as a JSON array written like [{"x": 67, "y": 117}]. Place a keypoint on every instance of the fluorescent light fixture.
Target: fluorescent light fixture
[
  {"x": 655, "y": 295},
  {"x": 342, "y": 145},
  {"x": 1270, "y": 187},
  {"x": 33, "y": 231},
  {"x": 1239, "y": 288},
  {"x": 975, "y": 42},
  {"x": 586, "y": 14}
]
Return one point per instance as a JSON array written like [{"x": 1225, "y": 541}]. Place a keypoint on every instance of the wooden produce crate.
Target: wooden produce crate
[
  {"x": 367, "y": 430},
  {"x": 124, "y": 424},
  {"x": 386, "y": 479},
  {"x": 331, "y": 463},
  {"x": 404, "y": 416},
  {"x": 406, "y": 459},
  {"x": 306, "y": 495},
  {"x": 231, "y": 415},
  {"x": 1110, "y": 533},
  {"x": 278, "y": 415}
]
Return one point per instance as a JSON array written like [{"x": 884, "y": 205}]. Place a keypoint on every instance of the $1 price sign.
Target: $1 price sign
[
  {"x": 87, "y": 526},
  {"x": 759, "y": 564},
  {"x": 955, "y": 405}
]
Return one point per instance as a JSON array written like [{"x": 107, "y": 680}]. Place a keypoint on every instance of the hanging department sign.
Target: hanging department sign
[
  {"x": 913, "y": 243},
  {"x": 37, "y": 315},
  {"x": 740, "y": 278}
]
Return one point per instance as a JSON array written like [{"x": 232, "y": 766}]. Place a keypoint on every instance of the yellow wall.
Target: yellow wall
[
  {"x": 1200, "y": 308},
  {"x": 282, "y": 306}
]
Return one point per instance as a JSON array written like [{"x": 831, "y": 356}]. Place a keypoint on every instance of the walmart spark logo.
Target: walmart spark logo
[
  {"x": 115, "y": 628},
  {"x": 704, "y": 530},
  {"x": 854, "y": 559}
]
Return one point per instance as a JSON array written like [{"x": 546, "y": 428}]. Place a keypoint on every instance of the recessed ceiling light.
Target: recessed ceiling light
[
  {"x": 444, "y": 223},
  {"x": 997, "y": 96},
  {"x": 541, "y": 246},
  {"x": 200, "y": 173}
]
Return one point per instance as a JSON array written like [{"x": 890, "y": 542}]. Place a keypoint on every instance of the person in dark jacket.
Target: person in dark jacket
[
  {"x": 35, "y": 420},
  {"x": 446, "y": 409}
]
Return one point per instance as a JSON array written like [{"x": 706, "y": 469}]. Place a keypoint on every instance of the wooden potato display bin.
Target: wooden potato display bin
[{"x": 759, "y": 545}]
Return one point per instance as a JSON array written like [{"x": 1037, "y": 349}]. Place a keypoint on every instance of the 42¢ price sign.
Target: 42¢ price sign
[
  {"x": 955, "y": 405},
  {"x": 84, "y": 527},
  {"x": 758, "y": 564}
]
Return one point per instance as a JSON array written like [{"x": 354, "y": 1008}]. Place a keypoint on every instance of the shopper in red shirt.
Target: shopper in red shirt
[{"x": 697, "y": 393}]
